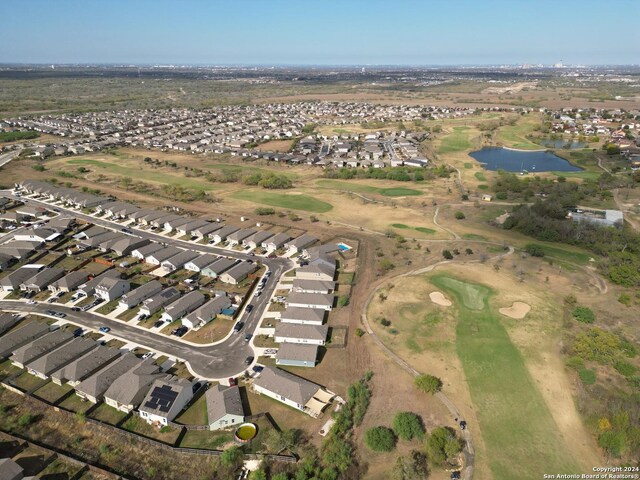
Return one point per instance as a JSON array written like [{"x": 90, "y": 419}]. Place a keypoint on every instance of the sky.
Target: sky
[{"x": 320, "y": 32}]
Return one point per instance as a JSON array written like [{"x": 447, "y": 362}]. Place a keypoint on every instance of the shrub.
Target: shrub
[
  {"x": 359, "y": 332},
  {"x": 441, "y": 445},
  {"x": 385, "y": 323},
  {"x": 447, "y": 254},
  {"x": 459, "y": 215},
  {"x": 380, "y": 439},
  {"x": 231, "y": 456},
  {"x": 625, "y": 368},
  {"x": 625, "y": 299},
  {"x": 408, "y": 426},
  {"x": 588, "y": 377},
  {"x": 575, "y": 362},
  {"x": 428, "y": 383},
  {"x": 468, "y": 251},
  {"x": 534, "y": 250},
  {"x": 343, "y": 300},
  {"x": 26, "y": 419},
  {"x": 38, "y": 168},
  {"x": 265, "y": 211},
  {"x": 584, "y": 315},
  {"x": 501, "y": 195}
]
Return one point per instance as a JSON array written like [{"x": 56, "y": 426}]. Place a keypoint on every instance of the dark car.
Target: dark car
[
  {"x": 247, "y": 337},
  {"x": 249, "y": 308},
  {"x": 75, "y": 309},
  {"x": 232, "y": 382},
  {"x": 257, "y": 368},
  {"x": 159, "y": 323},
  {"x": 455, "y": 475},
  {"x": 181, "y": 331},
  {"x": 78, "y": 332},
  {"x": 237, "y": 327},
  {"x": 196, "y": 387},
  {"x": 248, "y": 360},
  {"x": 463, "y": 425}
]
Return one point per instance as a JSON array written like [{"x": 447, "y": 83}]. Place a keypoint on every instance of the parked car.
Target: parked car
[
  {"x": 249, "y": 308},
  {"x": 257, "y": 368},
  {"x": 258, "y": 293},
  {"x": 147, "y": 355},
  {"x": 182, "y": 331},
  {"x": 126, "y": 230},
  {"x": 237, "y": 327},
  {"x": 78, "y": 332},
  {"x": 105, "y": 329},
  {"x": 232, "y": 382},
  {"x": 247, "y": 337},
  {"x": 75, "y": 309},
  {"x": 158, "y": 324},
  {"x": 248, "y": 360},
  {"x": 196, "y": 386},
  {"x": 31, "y": 302}
]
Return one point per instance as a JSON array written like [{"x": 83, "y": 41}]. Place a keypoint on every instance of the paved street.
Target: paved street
[{"x": 214, "y": 361}]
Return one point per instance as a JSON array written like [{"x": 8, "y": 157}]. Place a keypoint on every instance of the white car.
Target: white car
[
  {"x": 147, "y": 355},
  {"x": 31, "y": 302}
]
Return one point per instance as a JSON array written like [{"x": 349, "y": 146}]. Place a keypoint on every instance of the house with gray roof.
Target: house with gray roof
[
  {"x": 18, "y": 277},
  {"x": 138, "y": 295},
  {"x": 85, "y": 366},
  {"x": 256, "y": 239},
  {"x": 238, "y": 273},
  {"x": 89, "y": 288},
  {"x": 222, "y": 234},
  {"x": 54, "y": 360},
  {"x": 303, "y": 316},
  {"x": 183, "y": 306},
  {"x": 239, "y": 235},
  {"x": 207, "y": 229},
  {"x": 207, "y": 312},
  {"x": 189, "y": 227},
  {"x": 300, "y": 333},
  {"x": 99, "y": 239},
  {"x": 174, "y": 223},
  {"x": 21, "y": 336},
  {"x": 177, "y": 261},
  {"x": 94, "y": 387},
  {"x": 165, "y": 400},
  {"x": 292, "y": 390},
  {"x": 156, "y": 258},
  {"x": 39, "y": 347},
  {"x": 127, "y": 391},
  {"x": 310, "y": 300},
  {"x": 69, "y": 282},
  {"x": 41, "y": 280},
  {"x": 10, "y": 470},
  {"x": 144, "y": 252},
  {"x": 7, "y": 322},
  {"x": 110, "y": 289},
  {"x": 297, "y": 355},
  {"x": 276, "y": 242},
  {"x": 303, "y": 241},
  {"x": 197, "y": 264},
  {"x": 153, "y": 304},
  {"x": 318, "y": 271},
  {"x": 313, "y": 286},
  {"x": 224, "y": 407},
  {"x": 127, "y": 244},
  {"x": 218, "y": 267}
]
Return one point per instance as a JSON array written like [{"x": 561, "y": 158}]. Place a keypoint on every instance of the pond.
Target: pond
[{"x": 498, "y": 158}]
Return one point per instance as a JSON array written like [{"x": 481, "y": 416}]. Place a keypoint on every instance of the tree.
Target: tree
[
  {"x": 584, "y": 315},
  {"x": 442, "y": 444},
  {"x": 411, "y": 467},
  {"x": 264, "y": 211},
  {"x": 534, "y": 250},
  {"x": 258, "y": 475},
  {"x": 459, "y": 215},
  {"x": 126, "y": 182},
  {"x": 380, "y": 439},
  {"x": 428, "y": 383},
  {"x": 231, "y": 456},
  {"x": 408, "y": 426},
  {"x": 447, "y": 254},
  {"x": 280, "y": 476}
]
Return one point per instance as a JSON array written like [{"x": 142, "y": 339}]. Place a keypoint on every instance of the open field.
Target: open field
[
  {"x": 456, "y": 141},
  {"x": 275, "y": 146},
  {"x": 293, "y": 200},
  {"x": 514, "y": 136},
  {"x": 356, "y": 187}
]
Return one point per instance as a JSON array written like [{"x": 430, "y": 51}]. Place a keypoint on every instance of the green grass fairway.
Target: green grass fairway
[
  {"x": 360, "y": 188},
  {"x": 474, "y": 236},
  {"x": 520, "y": 435},
  {"x": 468, "y": 165},
  {"x": 579, "y": 257},
  {"x": 514, "y": 136},
  {"x": 457, "y": 141},
  {"x": 283, "y": 200},
  {"x": 480, "y": 176},
  {"x": 402, "y": 226},
  {"x": 585, "y": 175},
  {"x": 143, "y": 174}
]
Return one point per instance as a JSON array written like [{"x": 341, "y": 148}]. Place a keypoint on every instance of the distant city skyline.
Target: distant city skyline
[{"x": 329, "y": 33}]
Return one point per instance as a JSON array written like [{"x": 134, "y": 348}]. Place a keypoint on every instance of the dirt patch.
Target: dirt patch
[
  {"x": 517, "y": 310},
  {"x": 439, "y": 299}
]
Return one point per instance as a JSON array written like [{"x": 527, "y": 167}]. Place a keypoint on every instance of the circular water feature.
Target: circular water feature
[
  {"x": 246, "y": 432},
  {"x": 498, "y": 158}
]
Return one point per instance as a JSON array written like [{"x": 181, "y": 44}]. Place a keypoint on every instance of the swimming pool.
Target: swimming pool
[{"x": 344, "y": 247}]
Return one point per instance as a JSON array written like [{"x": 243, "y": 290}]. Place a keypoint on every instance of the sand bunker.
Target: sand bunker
[
  {"x": 439, "y": 299},
  {"x": 517, "y": 310}
]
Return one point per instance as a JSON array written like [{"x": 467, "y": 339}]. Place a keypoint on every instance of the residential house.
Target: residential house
[
  {"x": 257, "y": 239},
  {"x": 216, "y": 268},
  {"x": 21, "y": 336},
  {"x": 147, "y": 250},
  {"x": 239, "y": 235},
  {"x": 160, "y": 256},
  {"x": 276, "y": 242},
  {"x": 40, "y": 235},
  {"x": 202, "y": 261},
  {"x": 189, "y": 227},
  {"x": 310, "y": 300},
  {"x": 177, "y": 261},
  {"x": 297, "y": 355},
  {"x": 69, "y": 282},
  {"x": 41, "y": 280},
  {"x": 299, "y": 333},
  {"x": 18, "y": 277},
  {"x": 207, "y": 230},
  {"x": 292, "y": 390},
  {"x": 303, "y": 241},
  {"x": 89, "y": 288},
  {"x": 317, "y": 271},
  {"x": 127, "y": 244},
  {"x": 39, "y": 347},
  {"x": 238, "y": 273},
  {"x": 224, "y": 407},
  {"x": 165, "y": 297},
  {"x": 45, "y": 365},
  {"x": 313, "y": 286},
  {"x": 138, "y": 295},
  {"x": 303, "y": 316},
  {"x": 110, "y": 289},
  {"x": 85, "y": 366},
  {"x": 207, "y": 312},
  {"x": 8, "y": 321},
  {"x": 10, "y": 470},
  {"x": 221, "y": 234},
  {"x": 165, "y": 400},
  {"x": 93, "y": 387},
  {"x": 128, "y": 390},
  {"x": 183, "y": 306}
]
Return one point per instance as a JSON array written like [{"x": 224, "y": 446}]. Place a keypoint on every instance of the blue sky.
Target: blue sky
[{"x": 329, "y": 32}]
